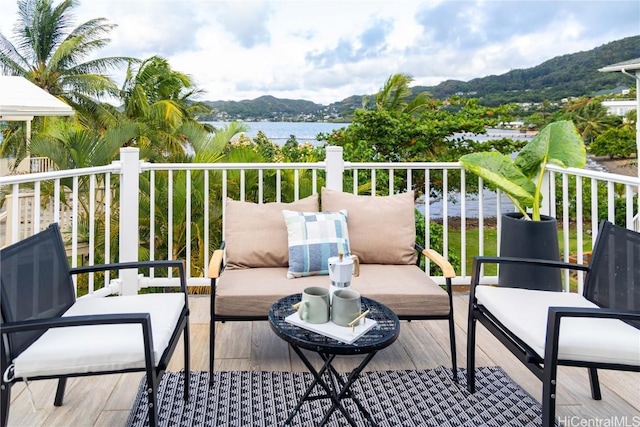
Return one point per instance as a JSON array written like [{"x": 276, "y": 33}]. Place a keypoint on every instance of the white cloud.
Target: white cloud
[{"x": 327, "y": 50}]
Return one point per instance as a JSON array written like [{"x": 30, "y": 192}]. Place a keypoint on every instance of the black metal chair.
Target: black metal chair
[
  {"x": 545, "y": 329},
  {"x": 48, "y": 333}
]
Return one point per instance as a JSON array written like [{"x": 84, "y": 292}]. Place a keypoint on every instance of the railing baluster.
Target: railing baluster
[
  {"x": 565, "y": 226},
  {"x": 373, "y": 182},
  {"x": 242, "y": 186},
  {"x": 594, "y": 210},
  {"x": 629, "y": 206},
  {"x": 427, "y": 213},
  {"x": 207, "y": 230},
  {"x": 107, "y": 225},
  {"x": 170, "y": 214},
  {"x": 152, "y": 219},
  {"x": 278, "y": 185},
  {"x": 463, "y": 223},
  {"x": 445, "y": 214},
  {"x": 579, "y": 231},
  {"x": 611, "y": 211},
  {"x": 187, "y": 219},
  {"x": 92, "y": 223}
]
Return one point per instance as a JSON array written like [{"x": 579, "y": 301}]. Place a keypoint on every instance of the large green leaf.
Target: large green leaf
[
  {"x": 500, "y": 170},
  {"x": 558, "y": 143}
]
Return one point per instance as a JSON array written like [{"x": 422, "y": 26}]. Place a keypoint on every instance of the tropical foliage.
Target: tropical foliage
[
  {"x": 521, "y": 179},
  {"x": 53, "y": 54}
]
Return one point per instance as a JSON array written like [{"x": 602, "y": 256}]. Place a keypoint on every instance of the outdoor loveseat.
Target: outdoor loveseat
[{"x": 249, "y": 273}]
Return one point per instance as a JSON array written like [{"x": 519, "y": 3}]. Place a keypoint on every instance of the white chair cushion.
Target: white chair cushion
[
  {"x": 83, "y": 349},
  {"x": 524, "y": 312}
]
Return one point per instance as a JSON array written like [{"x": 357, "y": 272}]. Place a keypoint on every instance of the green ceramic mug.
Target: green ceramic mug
[
  {"x": 315, "y": 306},
  {"x": 345, "y": 306}
]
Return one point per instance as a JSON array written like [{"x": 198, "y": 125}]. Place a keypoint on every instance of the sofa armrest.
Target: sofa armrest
[
  {"x": 215, "y": 265},
  {"x": 445, "y": 266}
]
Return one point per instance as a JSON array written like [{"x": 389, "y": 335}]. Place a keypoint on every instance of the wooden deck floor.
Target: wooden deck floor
[{"x": 106, "y": 400}]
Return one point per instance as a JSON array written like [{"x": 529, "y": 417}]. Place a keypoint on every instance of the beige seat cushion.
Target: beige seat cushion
[
  {"x": 251, "y": 292},
  {"x": 524, "y": 312},
  {"x": 256, "y": 234},
  {"x": 382, "y": 229},
  {"x": 406, "y": 289}
]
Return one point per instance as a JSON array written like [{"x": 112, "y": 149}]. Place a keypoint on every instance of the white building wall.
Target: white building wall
[{"x": 619, "y": 107}]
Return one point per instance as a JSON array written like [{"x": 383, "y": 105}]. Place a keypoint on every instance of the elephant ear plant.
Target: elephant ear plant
[{"x": 521, "y": 179}]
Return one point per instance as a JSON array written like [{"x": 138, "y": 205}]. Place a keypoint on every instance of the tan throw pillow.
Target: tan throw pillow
[
  {"x": 382, "y": 229},
  {"x": 256, "y": 234}
]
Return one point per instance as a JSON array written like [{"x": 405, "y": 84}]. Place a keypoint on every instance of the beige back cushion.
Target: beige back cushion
[
  {"x": 382, "y": 229},
  {"x": 256, "y": 234}
]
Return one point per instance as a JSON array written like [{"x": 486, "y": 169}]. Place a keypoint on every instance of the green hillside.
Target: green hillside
[{"x": 564, "y": 76}]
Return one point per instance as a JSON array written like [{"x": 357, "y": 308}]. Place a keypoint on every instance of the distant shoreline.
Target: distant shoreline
[{"x": 627, "y": 167}]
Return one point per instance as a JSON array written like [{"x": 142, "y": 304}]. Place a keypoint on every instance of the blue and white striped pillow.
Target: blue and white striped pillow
[{"x": 313, "y": 238}]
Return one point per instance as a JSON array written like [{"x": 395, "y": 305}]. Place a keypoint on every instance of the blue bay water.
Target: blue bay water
[{"x": 280, "y": 132}]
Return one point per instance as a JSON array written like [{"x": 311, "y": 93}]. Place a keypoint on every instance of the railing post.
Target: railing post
[
  {"x": 129, "y": 188},
  {"x": 334, "y": 167},
  {"x": 545, "y": 191}
]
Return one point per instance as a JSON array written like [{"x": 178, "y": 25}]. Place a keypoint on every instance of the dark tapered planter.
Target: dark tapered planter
[{"x": 529, "y": 239}]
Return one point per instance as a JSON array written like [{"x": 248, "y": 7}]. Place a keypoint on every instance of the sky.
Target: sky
[{"x": 327, "y": 50}]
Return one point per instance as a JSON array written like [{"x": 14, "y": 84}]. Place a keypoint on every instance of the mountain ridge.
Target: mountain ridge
[{"x": 564, "y": 76}]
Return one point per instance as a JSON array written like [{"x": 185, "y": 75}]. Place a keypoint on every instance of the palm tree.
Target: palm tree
[
  {"x": 393, "y": 96},
  {"x": 592, "y": 119},
  {"x": 159, "y": 101},
  {"x": 50, "y": 53}
]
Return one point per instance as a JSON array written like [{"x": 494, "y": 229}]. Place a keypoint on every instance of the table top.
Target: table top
[{"x": 379, "y": 337}]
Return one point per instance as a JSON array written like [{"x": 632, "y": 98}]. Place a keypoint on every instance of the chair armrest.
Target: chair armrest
[
  {"x": 143, "y": 319},
  {"x": 479, "y": 260},
  {"x": 215, "y": 264},
  {"x": 445, "y": 266},
  {"x": 555, "y": 315},
  {"x": 137, "y": 264},
  {"x": 592, "y": 312},
  {"x": 540, "y": 262},
  {"x": 68, "y": 321}
]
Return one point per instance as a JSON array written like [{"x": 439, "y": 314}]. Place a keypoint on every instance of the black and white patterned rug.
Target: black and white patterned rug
[{"x": 394, "y": 398}]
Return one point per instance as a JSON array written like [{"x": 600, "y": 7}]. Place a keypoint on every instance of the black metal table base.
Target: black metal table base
[
  {"x": 336, "y": 389},
  {"x": 331, "y": 385}
]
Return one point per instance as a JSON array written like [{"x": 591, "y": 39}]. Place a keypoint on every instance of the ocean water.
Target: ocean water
[{"x": 280, "y": 132}]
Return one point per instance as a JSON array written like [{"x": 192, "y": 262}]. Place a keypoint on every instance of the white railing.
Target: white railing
[{"x": 180, "y": 207}]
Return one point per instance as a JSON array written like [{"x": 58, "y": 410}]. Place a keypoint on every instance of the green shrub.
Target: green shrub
[{"x": 436, "y": 234}]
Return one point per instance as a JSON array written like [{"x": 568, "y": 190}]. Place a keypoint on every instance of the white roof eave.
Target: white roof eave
[
  {"x": 21, "y": 100},
  {"x": 632, "y": 65}
]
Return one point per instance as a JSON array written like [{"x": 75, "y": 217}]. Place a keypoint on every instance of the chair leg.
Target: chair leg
[
  {"x": 212, "y": 329},
  {"x": 452, "y": 339},
  {"x": 5, "y": 399},
  {"x": 549, "y": 381},
  {"x": 212, "y": 346},
  {"x": 595, "y": 384},
  {"x": 187, "y": 359},
  {"x": 62, "y": 383},
  {"x": 471, "y": 353},
  {"x": 152, "y": 398}
]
